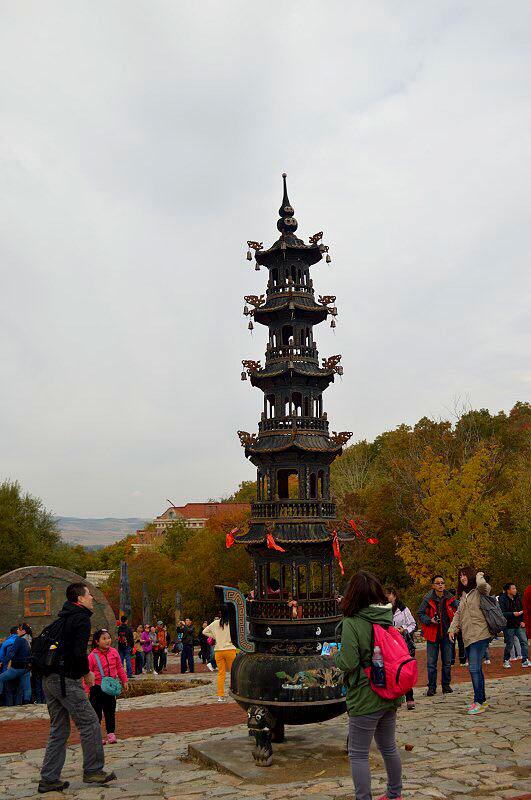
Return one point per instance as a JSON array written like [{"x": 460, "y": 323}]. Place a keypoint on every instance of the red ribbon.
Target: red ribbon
[
  {"x": 272, "y": 544},
  {"x": 229, "y": 538},
  {"x": 356, "y": 529},
  {"x": 373, "y": 540},
  {"x": 337, "y": 551}
]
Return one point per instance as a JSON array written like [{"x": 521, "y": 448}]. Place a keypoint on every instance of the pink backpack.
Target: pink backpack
[{"x": 401, "y": 671}]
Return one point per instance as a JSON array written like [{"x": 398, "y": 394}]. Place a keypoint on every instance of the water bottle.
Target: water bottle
[{"x": 377, "y": 669}]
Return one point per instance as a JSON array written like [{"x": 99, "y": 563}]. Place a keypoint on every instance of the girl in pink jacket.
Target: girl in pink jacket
[{"x": 108, "y": 658}]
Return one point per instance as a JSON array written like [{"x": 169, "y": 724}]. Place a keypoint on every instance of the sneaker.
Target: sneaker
[
  {"x": 430, "y": 692},
  {"x": 384, "y": 797},
  {"x": 99, "y": 778},
  {"x": 513, "y": 658},
  {"x": 221, "y": 699},
  {"x": 111, "y": 738},
  {"x": 487, "y": 661},
  {"x": 475, "y": 708},
  {"x": 410, "y": 704},
  {"x": 485, "y": 704},
  {"x": 447, "y": 690},
  {"x": 52, "y": 786},
  {"x": 506, "y": 665},
  {"x": 210, "y": 667},
  {"x": 526, "y": 663}
]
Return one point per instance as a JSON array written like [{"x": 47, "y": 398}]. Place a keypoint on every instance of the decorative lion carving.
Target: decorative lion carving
[
  {"x": 246, "y": 438},
  {"x": 256, "y": 245},
  {"x": 316, "y": 237},
  {"x": 331, "y": 362},
  {"x": 325, "y": 299},
  {"x": 342, "y": 437},
  {"x": 251, "y": 366},
  {"x": 255, "y": 300}
]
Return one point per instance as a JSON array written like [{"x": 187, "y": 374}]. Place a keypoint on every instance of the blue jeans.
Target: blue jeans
[
  {"x": 432, "y": 654},
  {"x": 125, "y": 655},
  {"x": 521, "y": 635},
  {"x": 7, "y": 679},
  {"x": 475, "y": 653}
]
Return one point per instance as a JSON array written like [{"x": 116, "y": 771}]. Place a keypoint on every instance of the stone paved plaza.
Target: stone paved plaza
[{"x": 453, "y": 755}]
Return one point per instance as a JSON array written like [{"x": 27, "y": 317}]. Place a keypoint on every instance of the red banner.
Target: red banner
[
  {"x": 337, "y": 551},
  {"x": 272, "y": 544},
  {"x": 229, "y": 538}
]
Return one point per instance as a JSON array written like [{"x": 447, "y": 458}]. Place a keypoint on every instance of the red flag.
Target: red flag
[
  {"x": 356, "y": 529},
  {"x": 337, "y": 551},
  {"x": 229, "y": 538},
  {"x": 373, "y": 540},
  {"x": 272, "y": 544}
]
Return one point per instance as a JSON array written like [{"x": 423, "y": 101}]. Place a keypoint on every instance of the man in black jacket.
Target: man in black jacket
[
  {"x": 66, "y": 698},
  {"x": 187, "y": 654},
  {"x": 511, "y": 606}
]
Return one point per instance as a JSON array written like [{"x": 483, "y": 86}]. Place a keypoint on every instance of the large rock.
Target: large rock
[{"x": 36, "y": 595}]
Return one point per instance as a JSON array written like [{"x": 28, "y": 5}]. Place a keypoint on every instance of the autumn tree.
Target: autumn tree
[{"x": 454, "y": 515}]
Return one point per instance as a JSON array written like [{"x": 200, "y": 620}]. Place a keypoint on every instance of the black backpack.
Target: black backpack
[{"x": 47, "y": 649}]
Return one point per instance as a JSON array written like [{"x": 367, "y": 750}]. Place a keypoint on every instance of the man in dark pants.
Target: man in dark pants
[
  {"x": 187, "y": 654},
  {"x": 436, "y": 613},
  {"x": 126, "y": 643},
  {"x": 513, "y": 611},
  {"x": 66, "y": 699}
]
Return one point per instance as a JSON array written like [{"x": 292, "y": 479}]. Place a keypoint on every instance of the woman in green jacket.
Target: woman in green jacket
[{"x": 370, "y": 716}]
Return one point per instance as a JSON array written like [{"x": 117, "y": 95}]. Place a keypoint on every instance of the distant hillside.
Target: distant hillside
[{"x": 102, "y": 532}]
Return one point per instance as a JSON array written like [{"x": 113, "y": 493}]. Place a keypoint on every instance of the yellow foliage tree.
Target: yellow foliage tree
[{"x": 455, "y": 513}]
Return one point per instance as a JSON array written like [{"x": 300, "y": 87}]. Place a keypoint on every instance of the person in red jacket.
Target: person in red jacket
[
  {"x": 436, "y": 613},
  {"x": 106, "y": 659}
]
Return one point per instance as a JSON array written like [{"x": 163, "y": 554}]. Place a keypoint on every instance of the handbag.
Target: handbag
[
  {"x": 494, "y": 616},
  {"x": 110, "y": 686}
]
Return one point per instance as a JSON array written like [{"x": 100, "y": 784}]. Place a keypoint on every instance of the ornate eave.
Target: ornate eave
[{"x": 290, "y": 533}]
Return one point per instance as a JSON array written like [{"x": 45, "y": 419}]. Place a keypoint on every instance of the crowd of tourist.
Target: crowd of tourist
[{"x": 89, "y": 680}]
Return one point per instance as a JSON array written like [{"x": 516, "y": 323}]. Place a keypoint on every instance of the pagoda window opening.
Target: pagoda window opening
[
  {"x": 287, "y": 334},
  {"x": 318, "y": 406},
  {"x": 306, "y": 407},
  {"x": 273, "y": 580},
  {"x": 274, "y": 276},
  {"x": 285, "y": 580},
  {"x": 316, "y": 579},
  {"x": 313, "y": 486},
  {"x": 269, "y": 405},
  {"x": 303, "y": 583},
  {"x": 296, "y": 398},
  {"x": 320, "y": 484},
  {"x": 287, "y": 484}
]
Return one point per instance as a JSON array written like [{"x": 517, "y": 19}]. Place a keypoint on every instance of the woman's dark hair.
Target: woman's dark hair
[
  {"x": 96, "y": 637},
  {"x": 25, "y": 627},
  {"x": 223, "y": 615},
  {"x": 363, "y": 590},
  {"x": 470, "y": 572}
]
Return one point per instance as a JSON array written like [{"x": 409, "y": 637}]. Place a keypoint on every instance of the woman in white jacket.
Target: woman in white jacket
[
  {"x": 224, "y": 649},
  {"x": 403, "y": 621}
]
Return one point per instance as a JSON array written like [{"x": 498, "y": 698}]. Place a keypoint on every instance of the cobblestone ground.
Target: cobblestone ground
[{"x": 454, "y": 756}]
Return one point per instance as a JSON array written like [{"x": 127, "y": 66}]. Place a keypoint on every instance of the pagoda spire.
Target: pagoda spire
[{"x": 287, "y": 222}]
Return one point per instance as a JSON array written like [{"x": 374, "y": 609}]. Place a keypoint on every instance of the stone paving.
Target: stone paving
[{"x": 454, "y": 756}]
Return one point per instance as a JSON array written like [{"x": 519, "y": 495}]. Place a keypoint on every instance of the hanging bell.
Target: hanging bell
[
  {"x": 250, "y": 325},
  {"x": 244, "y": 376},
  {"x": 245, "y": 310},
  {"x": 333, "y": 324},
  {"x": 249, "y": 255},
  {"x": 328, "y": 258},
  {"x": 257, "y": 267},
  {"x": 339, "y": 370}
]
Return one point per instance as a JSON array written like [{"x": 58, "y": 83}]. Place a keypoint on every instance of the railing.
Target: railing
[
  {"x": 285, "y": 288},
  {"x": 292, "y": 350},
  {"x": 274, "y": 509},
  {"x": 305, "y": 609},
  {"x": 289, "y": 423}
]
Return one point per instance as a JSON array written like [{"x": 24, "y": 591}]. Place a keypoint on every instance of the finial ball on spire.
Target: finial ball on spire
[{"x": 284, "y": 175}]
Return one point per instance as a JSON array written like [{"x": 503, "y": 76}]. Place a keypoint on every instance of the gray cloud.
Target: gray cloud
[{"x": 141, "y": 145}]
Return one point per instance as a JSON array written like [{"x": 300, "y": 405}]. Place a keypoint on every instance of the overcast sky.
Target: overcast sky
[{"x": 142, "y": 144}]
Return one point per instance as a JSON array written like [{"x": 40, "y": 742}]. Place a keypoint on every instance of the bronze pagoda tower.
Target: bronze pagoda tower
[{"x": 294, "y": 607}]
